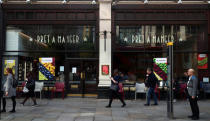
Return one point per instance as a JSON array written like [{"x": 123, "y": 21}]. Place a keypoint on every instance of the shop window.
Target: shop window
[{"x": 185, "y": 37}]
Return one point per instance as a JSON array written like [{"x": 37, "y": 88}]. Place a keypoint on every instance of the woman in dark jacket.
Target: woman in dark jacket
[
  {"x": 114, "y": 90},
  {"x": 30, "y": 85}
]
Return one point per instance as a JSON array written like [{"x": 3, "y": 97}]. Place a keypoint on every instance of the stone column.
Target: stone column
[{"x": 104, "y": 45}]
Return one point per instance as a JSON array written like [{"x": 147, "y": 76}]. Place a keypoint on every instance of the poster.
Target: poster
[
  {"x": 202, "y": 61},
  {"x": 105, "y": 69},
  {"x": 9, "y": 64},
  {"x": 160, "y": 68},
  {"x": 46, "y": 68}
]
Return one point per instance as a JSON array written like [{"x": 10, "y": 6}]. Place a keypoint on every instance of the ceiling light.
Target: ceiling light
[
  {"x": 93, "y": 2},
  {"x": 146, "y": 1},
  {"x": 64, "y": 1},
  {"x": 28, "y": 1},
  {"x": 179, "y": 2}
]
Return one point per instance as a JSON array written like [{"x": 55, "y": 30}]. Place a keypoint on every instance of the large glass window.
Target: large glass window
[{"x": 185, "y": 37}]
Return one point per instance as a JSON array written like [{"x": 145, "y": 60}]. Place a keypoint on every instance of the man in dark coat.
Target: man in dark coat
[
  {"x": 151, "y": 81},
  {"x": 192, "y": 88}
]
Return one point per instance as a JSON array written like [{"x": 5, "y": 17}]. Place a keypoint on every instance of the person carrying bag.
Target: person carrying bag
[{"x": 114, "y": 90}]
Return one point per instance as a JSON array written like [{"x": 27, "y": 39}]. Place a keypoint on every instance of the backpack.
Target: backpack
[{"x": 14, "y": 83}]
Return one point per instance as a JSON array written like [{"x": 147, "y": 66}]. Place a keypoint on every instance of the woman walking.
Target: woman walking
[
  {"x": 9, "y": 90},
  {"x": 114, "y": 90},
  {"x": 30, "y": 85}
]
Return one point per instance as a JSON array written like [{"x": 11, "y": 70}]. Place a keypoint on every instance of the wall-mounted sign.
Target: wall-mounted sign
[
  {"x": 105, "y": 69},
  {"x": 160, "y": 68},
  {"x": 46, "y": 68},
  {"x": 202, "y": 61},
  {"x": 9, "y": 64}
]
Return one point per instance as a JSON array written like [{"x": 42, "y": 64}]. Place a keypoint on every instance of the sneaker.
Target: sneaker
[{"x": 155, "y": 104}]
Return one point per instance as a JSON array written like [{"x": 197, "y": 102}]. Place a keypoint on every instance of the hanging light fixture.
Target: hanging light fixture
[
  {"x": 179, "y": 2},
  {"x": 28, "y": 1},
  {"x": 146, "y": 1},
  {"x": 64, "y": 1},
  {"x": 93, "y": 2}
]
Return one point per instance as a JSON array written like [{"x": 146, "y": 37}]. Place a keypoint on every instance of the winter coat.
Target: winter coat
[{"x": 8, "y": 86}]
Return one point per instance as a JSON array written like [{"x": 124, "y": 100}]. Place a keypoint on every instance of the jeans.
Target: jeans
[{"x": 151, "y": 92}]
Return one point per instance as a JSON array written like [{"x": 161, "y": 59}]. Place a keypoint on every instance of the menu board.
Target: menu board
[
  {"x": 202, "y": 61},
  {"x": 160, "y": 68},
  {"x": 9, "y": 64},
  {"x": 46, "y": 68}
]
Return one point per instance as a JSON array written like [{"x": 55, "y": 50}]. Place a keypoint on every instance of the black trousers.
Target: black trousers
[
  {"x": 114, "y": 94},
  {"x": 194, "y": 106},
  {"x": 13, "y": 103}
]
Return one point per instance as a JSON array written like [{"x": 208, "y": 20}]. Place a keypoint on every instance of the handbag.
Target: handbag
[
  {"x": 25, "y": 89},
  {"x": 114, "y": 87}
]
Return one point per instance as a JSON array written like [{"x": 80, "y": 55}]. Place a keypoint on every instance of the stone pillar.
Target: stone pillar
[{"x": 104, "y": 45}]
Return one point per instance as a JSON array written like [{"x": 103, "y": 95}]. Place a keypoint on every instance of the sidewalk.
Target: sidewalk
[{"x": 89, "y": 109}]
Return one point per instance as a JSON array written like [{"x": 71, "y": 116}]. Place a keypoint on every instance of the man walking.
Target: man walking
[
  {"x": 192, "y": 88},
  {"x": 151, "y": 82}
]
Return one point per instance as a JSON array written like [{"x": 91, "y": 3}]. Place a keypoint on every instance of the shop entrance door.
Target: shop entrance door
[{"x": 81, "y": 77}]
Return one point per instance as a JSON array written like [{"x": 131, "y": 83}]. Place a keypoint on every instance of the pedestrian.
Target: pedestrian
[
  {"x": 151, "y": 82},
  {"x": 9, "y": 91},
  {"x": 114, "y": 89},
  {"x": 30, "y": 85},
  {"x": 192, "y": 89}
]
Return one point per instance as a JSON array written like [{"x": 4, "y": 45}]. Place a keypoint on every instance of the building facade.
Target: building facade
[{"x": 80, "y": 43}]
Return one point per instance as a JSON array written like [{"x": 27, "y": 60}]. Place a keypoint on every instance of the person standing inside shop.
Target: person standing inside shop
[
  {"x": 30, "y": 85},
  {"x": 192, "y": 88},
  {"x": 151, "y": 82},
  {"x": 9, "y": 91},
  {"x": 114, "y": 89}
]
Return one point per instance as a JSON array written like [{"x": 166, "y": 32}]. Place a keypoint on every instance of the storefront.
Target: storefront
[
  {"x": 142, "y": 32},
  {"x": 81, "y": 44},
  {"x": 57, "y": 43}
]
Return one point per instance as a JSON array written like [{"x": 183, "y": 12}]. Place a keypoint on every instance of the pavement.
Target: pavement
[{"x": 91, "y": 109}]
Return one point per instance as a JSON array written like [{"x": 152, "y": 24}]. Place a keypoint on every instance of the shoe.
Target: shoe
[
  {"x": 22, "y": 104},
  {"x": 195, "y": 118},
  {"x": 155, "y": 104},
  {"x": 189, "y": 116},
  {"x": 3, "y": 111},
  {"x": 146, "y": 104},
  {"x": 108, "y": 106},
  {"x": 123, "y": 105},
  {"x": 12, "y": 111},
  {"x": 34, "y": 105}
]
